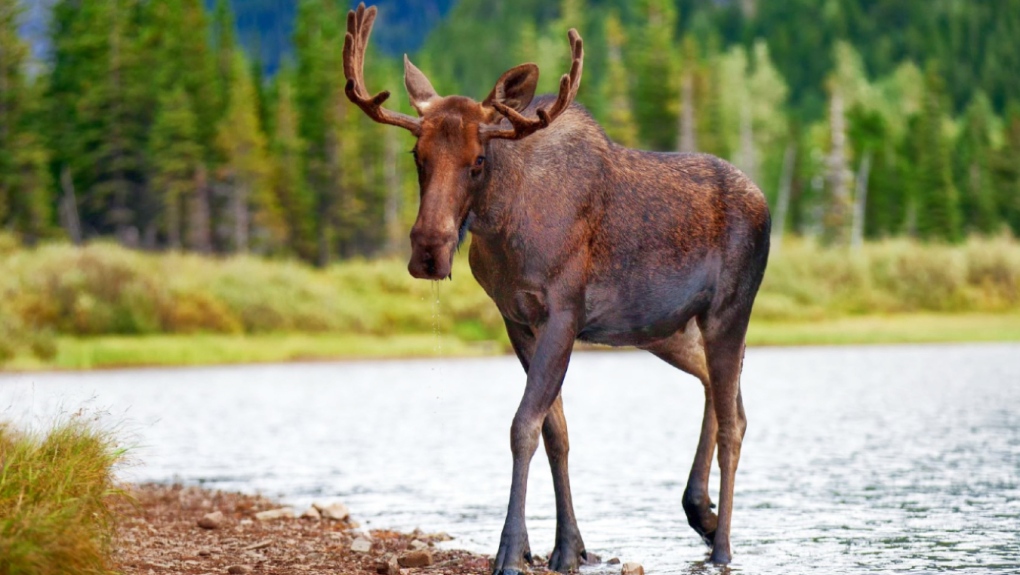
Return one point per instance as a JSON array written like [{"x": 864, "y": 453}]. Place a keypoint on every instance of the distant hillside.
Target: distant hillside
[{"x": 266, "y": 26}]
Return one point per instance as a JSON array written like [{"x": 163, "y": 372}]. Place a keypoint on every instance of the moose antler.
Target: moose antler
[
  {"x": 569, "y": 83},
  {"x": 359, "y": 27}
]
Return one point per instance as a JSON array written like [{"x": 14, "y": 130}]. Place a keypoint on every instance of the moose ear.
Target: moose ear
[
  {"x": 418, "y": 87},
  {"x": 515, "y": 88}
]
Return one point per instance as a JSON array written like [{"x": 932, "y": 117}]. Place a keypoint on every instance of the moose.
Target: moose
[{"x": 577, "y": 238}]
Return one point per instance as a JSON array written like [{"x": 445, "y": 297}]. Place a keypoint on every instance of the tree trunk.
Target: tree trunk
[
  {"x": 783, "y": 198},
  {"x": 839, "y": 200},
  {"x": 391, "y": 212},
  {"x": 69, "y": 207},
  {"x": 688, "y": 137},
  {"x": 860, "y": 202},
  {"x": 240, "y": 209},
  {"x": 199, "y": 233},
  {"x": 748, "y": 155}
]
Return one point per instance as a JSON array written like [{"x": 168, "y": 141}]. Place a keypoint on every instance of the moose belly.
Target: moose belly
[{"x": 639, "y": 314}]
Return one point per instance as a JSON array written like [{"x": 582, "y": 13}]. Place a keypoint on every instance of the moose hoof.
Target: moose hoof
[
  {"x": 509, "y": 562},
  {"x": 568, "y": 560},
  {"x": 720, "y": 556},
  {"x": 700, "y": 517}
]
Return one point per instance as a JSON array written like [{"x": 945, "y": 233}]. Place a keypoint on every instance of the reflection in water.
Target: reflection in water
[{"x": 856, "y": 459}]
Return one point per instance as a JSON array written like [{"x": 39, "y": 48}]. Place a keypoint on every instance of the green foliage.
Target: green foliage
[
  {"x": 287, "y": 166},
  {"x": 54, "y": 490}
]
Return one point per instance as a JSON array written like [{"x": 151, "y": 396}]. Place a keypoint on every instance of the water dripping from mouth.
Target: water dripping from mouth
[{"x": 437, "y": 344}]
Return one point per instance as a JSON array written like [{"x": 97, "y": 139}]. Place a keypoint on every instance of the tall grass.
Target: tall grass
[
  {"x": 54, "y": 517},
  {"x": 102, "y": 289}
]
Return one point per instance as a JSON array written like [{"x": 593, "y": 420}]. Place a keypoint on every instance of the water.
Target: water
[{"x": 856, "y": 460}]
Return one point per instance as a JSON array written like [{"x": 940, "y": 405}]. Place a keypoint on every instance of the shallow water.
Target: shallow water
[{"x": 856, "y": 460}]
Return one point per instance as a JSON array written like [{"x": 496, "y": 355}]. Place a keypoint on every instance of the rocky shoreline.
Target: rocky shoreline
[{"x": 193, "y": 531}]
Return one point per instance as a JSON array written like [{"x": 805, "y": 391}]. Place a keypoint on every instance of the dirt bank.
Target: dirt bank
[{"x": 159, "y": 533}]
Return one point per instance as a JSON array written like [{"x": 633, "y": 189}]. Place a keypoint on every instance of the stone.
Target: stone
[
  {"x": 417, "y": 558},
  {"x": 417, "y": 544},
  {"x": 311, "y": 513},
  {"x": 632, "y": 569},
  {"x": 387, "y": 566},
  {"x": 361, "y": 545},
  {"x": 282, "y": 513},
  {"x": 238, "y": 570},
  {"x": 335, "y": 511},
  {"x": 212, "y": 520},
  {"x": 613, "y": 561}
]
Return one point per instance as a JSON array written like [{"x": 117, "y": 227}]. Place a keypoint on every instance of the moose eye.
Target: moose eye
[{"x": 479, "y": 161}]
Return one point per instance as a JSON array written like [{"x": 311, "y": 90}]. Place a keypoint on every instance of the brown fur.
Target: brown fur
[{"x": 575, "y": 237}]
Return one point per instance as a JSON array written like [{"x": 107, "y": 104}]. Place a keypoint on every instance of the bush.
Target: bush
[
  {"x": 105, "y": 289},
  {"x": 54, "y": 517}
]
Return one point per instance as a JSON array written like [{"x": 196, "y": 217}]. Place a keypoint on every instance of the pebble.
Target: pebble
[
  {"x": 212, "y": 520},
  {"x": 336, "y": 511},
  {"x": 311, "y": 513},
  {"x": 238, "y": 569},
  {"x": 613, "y": 561},
  {"x": 417, "y": 544},
  {"x": 361, "y": 545},
  {"x": 387, "y": 566},
  {"x": 417, "y": 558},
  {"x": 632, "y": 569},
  {"x": 284, "y": 512}
]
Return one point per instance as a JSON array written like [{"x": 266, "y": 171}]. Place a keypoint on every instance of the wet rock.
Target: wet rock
[
  {"x": 387, "y": 566},
  {"x": 311, "y": 513},
  {"x": 632, "y": 569},
  {"x": 212, "y": 520},
  {"x": 335, "y": 511},
  {"x": 417, "y": 544},
  {"x": 418, "y": 558},
  {"x": 272, "y": 514},
  {"x": 613, "y": 561},
  {"x": 361, "y": 545},
  {"x": 238, "y": 570}
]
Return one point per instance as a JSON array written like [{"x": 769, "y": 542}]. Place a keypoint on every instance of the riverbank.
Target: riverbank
[
  {"x": 159, "y": 532},
  {"x": 107, "y": 352}
]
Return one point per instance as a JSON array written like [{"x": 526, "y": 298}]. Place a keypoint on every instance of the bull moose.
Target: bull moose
[{"x": 577, "y": 238}]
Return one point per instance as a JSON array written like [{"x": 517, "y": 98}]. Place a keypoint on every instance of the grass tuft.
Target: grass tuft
[{"x": 54, "y": 517}]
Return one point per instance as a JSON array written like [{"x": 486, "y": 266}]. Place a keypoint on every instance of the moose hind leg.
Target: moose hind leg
[
  {"x": 685, "y": 351},
  {"x": 725, "y": 354},
  {"x": 569, "y": 552}
]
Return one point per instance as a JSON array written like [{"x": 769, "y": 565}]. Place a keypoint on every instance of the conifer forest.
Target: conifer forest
[{"x": 222, "y": 126}]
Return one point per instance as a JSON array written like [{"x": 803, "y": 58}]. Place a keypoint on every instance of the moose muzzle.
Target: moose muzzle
[{"x": 431, "y": 253}]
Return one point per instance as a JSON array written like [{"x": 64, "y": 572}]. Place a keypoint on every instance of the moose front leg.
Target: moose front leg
[
  {"x": 569, "y": 552},
  {"x": 548, "y": 366}
]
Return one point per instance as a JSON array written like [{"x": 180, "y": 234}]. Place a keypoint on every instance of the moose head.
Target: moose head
[{"x": 452, "y": 152}]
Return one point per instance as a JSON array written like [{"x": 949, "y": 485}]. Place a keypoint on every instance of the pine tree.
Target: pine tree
[
  {"x": 973, "y": 169},
  {"x": 254, "y": 214},
  {"x": 176, "y": 158},
  {"x": 287, "y": 179},
  {"x": 319, "y": 93},
  {"x": 24, "y": 175},
  {"x": 1006, "y": 164},
  {"x": 98, "y": 113},
  {"x": 618, "y": 117},
  {"x": 935, "y": 195},
  {"x": 656, "y": 90}
]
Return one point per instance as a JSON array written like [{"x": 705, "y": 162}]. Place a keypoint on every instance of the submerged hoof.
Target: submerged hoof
[{"x": 569, "y": 561}]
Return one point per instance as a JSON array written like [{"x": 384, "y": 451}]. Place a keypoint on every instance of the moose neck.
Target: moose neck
[{"x": 545, "y": 173}]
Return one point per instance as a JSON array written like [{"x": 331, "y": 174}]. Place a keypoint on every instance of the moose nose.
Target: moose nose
[{"x": 422, "y": 238}]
